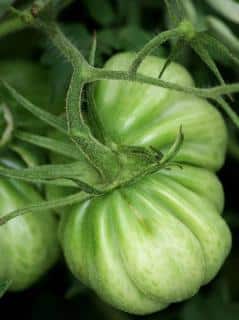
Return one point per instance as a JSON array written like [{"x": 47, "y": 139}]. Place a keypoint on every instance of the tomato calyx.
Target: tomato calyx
[{"x": 138, "y": 162}]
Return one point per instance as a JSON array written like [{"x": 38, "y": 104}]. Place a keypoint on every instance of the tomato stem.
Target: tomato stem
[
  {"x": 12, "y": 25},
  {"x": 149, "y": 47},
  {"x": 209, "y": 93}
]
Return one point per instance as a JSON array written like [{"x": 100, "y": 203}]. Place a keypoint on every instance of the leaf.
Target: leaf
[
  {"x": 190, "y": 11},
  {"x": 46, "y": 173},
  {"x": 101, "y": 11},
  {"x": 216, "y": 48},
  {"x": 203, "y": 53},
  {"x": 66, "y": 149},
  {"x": 4, "y": 6},
  {"x": 227, "y": 8},
  {"x": 222, "y": 32},
  {"x": 175, "y": 11},
  {"x": 30, "y": 155},
  {"x": 4, "y": 285}
]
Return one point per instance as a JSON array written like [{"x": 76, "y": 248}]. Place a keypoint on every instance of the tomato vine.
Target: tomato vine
[{"x": 101, "y": 156}]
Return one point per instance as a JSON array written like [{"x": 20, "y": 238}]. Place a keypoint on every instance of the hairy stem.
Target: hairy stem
[
  {"x": 103, "y": 74},
  {"x": 66, "y": 47},
  {"x": 150, "y": 46},
  {"x": 12, "y": 25},
  {"x": 21, "y": 21},
  {"x": 75, "y": 122}
]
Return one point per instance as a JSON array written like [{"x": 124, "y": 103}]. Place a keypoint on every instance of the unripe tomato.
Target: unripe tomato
[
  {"x": 28, "y": 243},
  {"x": 159, "y": 240},
  {"x": 144, "y": 115}
]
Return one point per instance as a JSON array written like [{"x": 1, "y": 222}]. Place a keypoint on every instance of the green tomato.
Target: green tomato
[
  {"x": 158, "y": 241},
  {"x": 144, "y": 115},
  {"x": 28, "y": 244},
  {"x": 151, "y": 244}
]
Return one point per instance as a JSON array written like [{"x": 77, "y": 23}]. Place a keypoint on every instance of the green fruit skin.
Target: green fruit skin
[
  {"x": 143, "y": 247},
  {"x": 157, "y": 242},
  {"x": 144, "y": 115},
  {"x": 28, "y": 244}
]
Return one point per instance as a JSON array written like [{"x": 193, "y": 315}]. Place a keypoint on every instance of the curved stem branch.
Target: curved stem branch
[
  {"x": 150, "y": 46},
  {"x": 99, "y": 155},
  {"x": 75, "y": 121}
]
